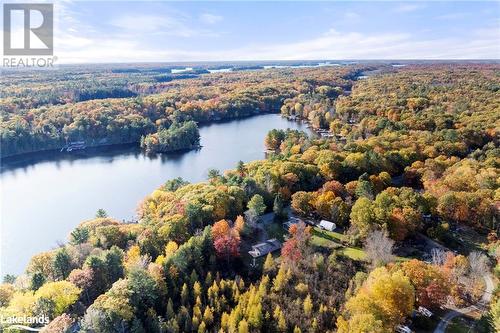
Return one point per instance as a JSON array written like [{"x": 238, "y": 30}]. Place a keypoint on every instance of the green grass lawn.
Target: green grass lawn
[
  {"x": 324, "y": 242},
  {"x": 330, "y": 235},
  {"x": 333, "y": 240},
  {"x": 353, "y": 253},
  {"x": 324, "y": 238}
]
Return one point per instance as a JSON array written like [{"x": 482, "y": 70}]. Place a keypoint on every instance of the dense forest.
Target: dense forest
[
  {"x": 177, "y": 137},
  {"x": 404, "y": 160},
  {"x": 43, "y": 111}
]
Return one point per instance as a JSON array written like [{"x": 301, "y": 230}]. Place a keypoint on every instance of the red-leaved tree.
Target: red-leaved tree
[{"x": 228, "y": 246}]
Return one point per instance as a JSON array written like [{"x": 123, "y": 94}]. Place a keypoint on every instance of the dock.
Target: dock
[{"x": 76, "y": 145}]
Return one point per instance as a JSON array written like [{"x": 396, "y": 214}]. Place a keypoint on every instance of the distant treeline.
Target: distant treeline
[
  {"x": 114, "y": 110},
  {"x": 89, "y": 94},
  {"x": 171, "y": 77}
]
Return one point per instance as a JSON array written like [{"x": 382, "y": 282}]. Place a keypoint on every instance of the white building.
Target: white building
[{"x": 327, "y": 225}]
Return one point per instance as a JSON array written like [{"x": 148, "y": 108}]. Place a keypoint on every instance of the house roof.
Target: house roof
[{"x": 261, "y": 249}]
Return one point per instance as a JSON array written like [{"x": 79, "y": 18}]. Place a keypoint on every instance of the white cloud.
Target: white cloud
[
  {"x": 210, "y": 18},
  {"x": 408, "y": 7},
  {"x": 481, "y": 44},
  {"x": 175, "y": 24},
  {"x": 451, "y": 16},
  {"x": 152, "y": 24},
  {"x": 77, "y": 42},
  {"x": 351, "y": 16},
  {"x": 335, "y": 45}
]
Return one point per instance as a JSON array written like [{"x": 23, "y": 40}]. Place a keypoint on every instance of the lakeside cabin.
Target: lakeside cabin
[
  {"x": 75, "y": 145},
  {"x": 327, "y": 225},
  {"x": 262, "y": 249}
]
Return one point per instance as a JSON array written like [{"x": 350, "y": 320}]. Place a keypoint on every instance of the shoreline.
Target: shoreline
[
  {"x": 65, "y": 189},
  {"x": 32, "y": 158},
  {"x": 33, "y": 154}
]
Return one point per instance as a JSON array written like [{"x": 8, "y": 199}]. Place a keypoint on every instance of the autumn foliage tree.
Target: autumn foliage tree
[
  {"x": 383, "y": 301},
  {"x": 294, "y": 249},
  {"x": 228, "y": 246},
  {"x": 226, "y": 240},
  {"x": 432, "y": 286},
  {"x": 220, "y": 228}
]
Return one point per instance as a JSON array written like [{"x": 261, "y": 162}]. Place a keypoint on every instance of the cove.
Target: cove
[{"x": 46, "y": 195}]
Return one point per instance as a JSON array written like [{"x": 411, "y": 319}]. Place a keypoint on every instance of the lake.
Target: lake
[{"x": 46, "y": 195}]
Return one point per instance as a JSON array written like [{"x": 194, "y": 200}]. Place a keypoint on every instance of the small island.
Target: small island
[{"x": 179, "y": 136}]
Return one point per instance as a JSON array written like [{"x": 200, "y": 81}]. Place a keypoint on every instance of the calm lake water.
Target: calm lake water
[{"x": 45, "y": 196}]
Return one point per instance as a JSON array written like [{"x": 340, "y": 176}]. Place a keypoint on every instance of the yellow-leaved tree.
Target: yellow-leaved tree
[
  {"x": 383, "y": 302},
  {"x": 62, "y": 293}
]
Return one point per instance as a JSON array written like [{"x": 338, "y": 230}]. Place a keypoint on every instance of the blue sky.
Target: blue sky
[{"x": 125, "y": 31}]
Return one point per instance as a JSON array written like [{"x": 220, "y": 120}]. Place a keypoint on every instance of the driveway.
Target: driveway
[{"x": 450, "y": 315}]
